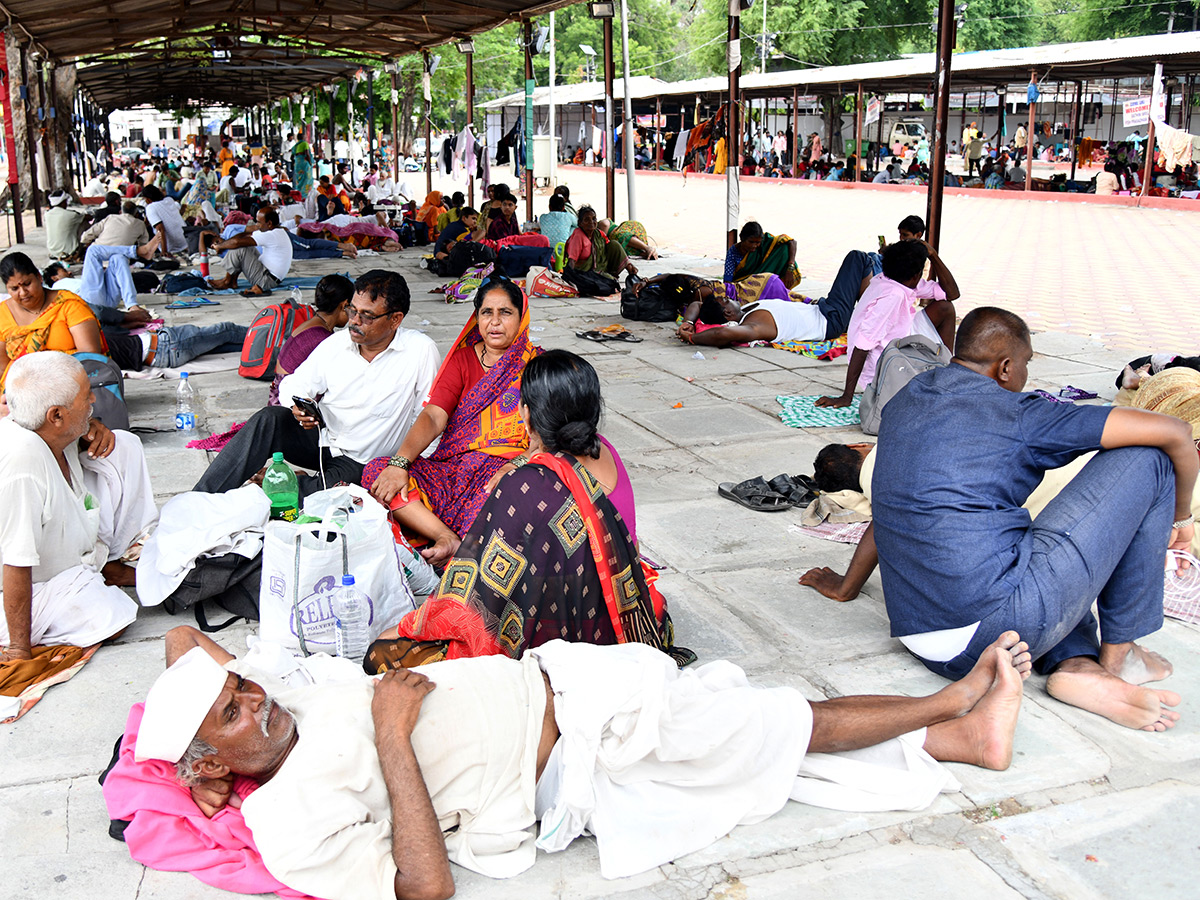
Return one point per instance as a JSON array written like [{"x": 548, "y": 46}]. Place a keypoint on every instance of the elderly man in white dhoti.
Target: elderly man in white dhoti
[
  {"x": 370, "y": 788},
  {"x": 73, "y": 497}
]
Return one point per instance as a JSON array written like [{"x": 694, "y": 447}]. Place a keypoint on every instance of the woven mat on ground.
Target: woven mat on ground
[
  {"x": 23, "y": 682},
  {"x": 301, "y": 281},
  {"x": 814, "y": 349},
  {"x": 828, "y": 531},
  {"x": 802, "y": 412}
]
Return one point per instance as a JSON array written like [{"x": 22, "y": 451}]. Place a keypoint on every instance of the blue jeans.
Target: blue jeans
[
  {"x": 180, "y": 344},
  {"x": 313, "y": 248},
  {"x": 1103, "y": 538},
  {"x": 108, "y": 286},
  {"x": 839, "y": 305}
]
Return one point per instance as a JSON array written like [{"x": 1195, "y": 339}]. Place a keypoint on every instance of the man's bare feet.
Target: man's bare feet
[
  {"x": 223, "y": 284},
  {"x": 349, "y": 251},
  {"x": 117, "y": 574},
  {"x": 1133, "y": 663},
  {"x": 984, "y": 736},
  {"x": 1007, "y": 650},
  {"x": 148, "y": 249},
  {"x": 1084, "y": 683}
]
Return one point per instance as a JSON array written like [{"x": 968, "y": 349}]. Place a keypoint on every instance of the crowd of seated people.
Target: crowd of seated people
[{"x": 547, "y": 626}]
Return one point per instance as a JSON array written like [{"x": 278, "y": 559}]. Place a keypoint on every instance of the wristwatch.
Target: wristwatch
[
  {"x": 400, "y": 462},
  {"x": 1184, "y": 523}
]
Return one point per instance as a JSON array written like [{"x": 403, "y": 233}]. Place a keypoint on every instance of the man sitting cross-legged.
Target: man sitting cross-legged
[
  {"x": 369, "y": 381},
  {"x": 960, "y": 559},
  {"x": 777, "y": 319},
  {"x": 263, "y": 255},
  {"x": 371, "y": 788},
  {"x": 68, "y": 514}
]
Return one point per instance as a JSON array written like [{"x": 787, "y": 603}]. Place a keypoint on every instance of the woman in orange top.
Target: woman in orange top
[
  {"x": 429, "y": 212},
  {"x": 225, "y": 158},
  {"x": 34, "y": 318}
]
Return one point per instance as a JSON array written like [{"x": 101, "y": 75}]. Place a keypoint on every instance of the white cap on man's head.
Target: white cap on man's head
[
  {"x": 177, "y": 704},
  {"x": 59, "y": 198}
]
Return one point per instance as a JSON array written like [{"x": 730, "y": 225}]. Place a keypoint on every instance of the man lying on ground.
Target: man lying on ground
[
  {"x": 74, "y": 496},
  {"x": 168, "y": 347},
  {"x": 890, "y": 308},
  {"x": 960, "y": 559},
  {"x": 371, "y": 788},
  {"x": 369, "y": 380},
  {"x": 777, "y": 319}
]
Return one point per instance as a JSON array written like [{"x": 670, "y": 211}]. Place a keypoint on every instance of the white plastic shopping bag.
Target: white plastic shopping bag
[{"x": 303, "y": 565}]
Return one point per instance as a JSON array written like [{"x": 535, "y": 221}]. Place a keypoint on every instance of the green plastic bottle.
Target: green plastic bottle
[{"x": 282, "y": 489}]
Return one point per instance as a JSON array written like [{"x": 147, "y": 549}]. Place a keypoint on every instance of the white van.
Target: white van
[{"x": 906, "y": 131}]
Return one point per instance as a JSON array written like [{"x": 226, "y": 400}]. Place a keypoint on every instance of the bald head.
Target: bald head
[
  {"x": 995, "y": 343},
  {"x": 990, "y": 334}
]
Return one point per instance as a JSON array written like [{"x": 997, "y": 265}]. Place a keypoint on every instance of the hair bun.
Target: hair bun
[{"x": 578, "y": 438}]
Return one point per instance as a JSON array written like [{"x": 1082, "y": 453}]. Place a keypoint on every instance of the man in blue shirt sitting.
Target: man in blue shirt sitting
[{"x": 960, "y": 449}]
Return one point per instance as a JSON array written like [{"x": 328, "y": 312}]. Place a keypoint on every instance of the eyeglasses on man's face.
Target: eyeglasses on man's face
[{"x": 365, "y": 317}]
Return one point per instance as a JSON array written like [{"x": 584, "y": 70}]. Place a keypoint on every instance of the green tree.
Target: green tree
[
  {"x": 995, "y": 24},
  {"x": 1099, "y": 19}
]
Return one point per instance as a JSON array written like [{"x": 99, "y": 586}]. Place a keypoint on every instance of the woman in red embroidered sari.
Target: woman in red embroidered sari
[
  {"x": 472, "y": 412},
  {"x": 550, "y": 554}
]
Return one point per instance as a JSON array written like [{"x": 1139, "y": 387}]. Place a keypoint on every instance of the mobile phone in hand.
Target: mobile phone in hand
[{"x": 310, "y": 409}]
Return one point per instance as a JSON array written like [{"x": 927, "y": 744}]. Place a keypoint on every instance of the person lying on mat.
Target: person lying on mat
[
  {"x": 960, "y": 559},
  {"x": 378, "y": 787},
  {"x": 773, "y": 316}
]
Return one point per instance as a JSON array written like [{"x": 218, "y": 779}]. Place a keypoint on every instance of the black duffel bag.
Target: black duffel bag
[{"x": 648, "y": 304}]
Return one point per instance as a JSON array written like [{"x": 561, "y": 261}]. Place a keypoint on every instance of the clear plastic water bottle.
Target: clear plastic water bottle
[
  {"x": 282, "y": 489},
  {"x": 297, "y": 297},
  {"x": 352, "y": 620},
  {"x": 185, "y": 403}
]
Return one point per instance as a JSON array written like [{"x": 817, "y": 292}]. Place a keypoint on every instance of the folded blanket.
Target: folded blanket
[{"x": 23, "y": 681}]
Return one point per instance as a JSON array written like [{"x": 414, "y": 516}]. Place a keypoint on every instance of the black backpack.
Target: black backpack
[
  {"x": 648, "y": 305},
  {"x": 181, "y": 281},
  {"x": 464, "y": 255}
]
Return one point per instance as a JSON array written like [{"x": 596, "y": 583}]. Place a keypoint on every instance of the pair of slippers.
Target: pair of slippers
[
  {"x": 780, "y": 493},
  {"x": 610, "y": 333},
  {"x": 192, "y": 304}
]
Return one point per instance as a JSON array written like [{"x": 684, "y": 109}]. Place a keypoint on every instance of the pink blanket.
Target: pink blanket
[
  {"x": 168, "y": 831},
  {"x": 518, "y": 240}
]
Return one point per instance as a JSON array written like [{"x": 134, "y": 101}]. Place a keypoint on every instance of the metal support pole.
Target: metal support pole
[
  {"x": 629, "y": 128},
  {"x": 427, "y": 88},
  {"x": 553, "y": 112},
  {"x": 332, "y": 135},
  {"x": 471, "y": 120},
  {"x": 658, "y": 137},
  {"x": 1029, "y": 154},
  {"x": 370, "y": 117},
  {"x": 733, "y": 143},
  {"x": 879, "y": 136},
  {"x": 395, "y": 134},
  {"x": 1112, "y": 110},
  {"x": 610, "y": 180},
  {"x": 10, "y": 150},
  {"x": 947, "y": 26},
  {"x": 1075, "y": 127},
  {"x": 527, "y": 31},
  {"x": 858, "y": 124},
  {"x": 1155, "y": 87},
  {"x": 795, "y": 132}
]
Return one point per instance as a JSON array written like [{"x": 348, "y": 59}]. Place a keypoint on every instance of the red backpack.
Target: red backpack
[{"x": 271, "y": 327}]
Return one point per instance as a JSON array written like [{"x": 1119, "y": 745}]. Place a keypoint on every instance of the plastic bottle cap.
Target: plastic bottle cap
[
  {"x": 277, "y": 456},
  {"x": 347, "y": 580},
  {"x": 183, "y": 374}
]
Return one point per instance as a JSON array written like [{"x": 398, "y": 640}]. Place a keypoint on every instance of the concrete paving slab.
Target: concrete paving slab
[
  {"x": 705, "y": 624},
  {"x": 73, "y": 876},
  {"x": 33, "y": 817},
  {"x": 1103, "y": 846},
  {"x": 705, "y": 421},
  {"x": 882, "y": 874}
]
